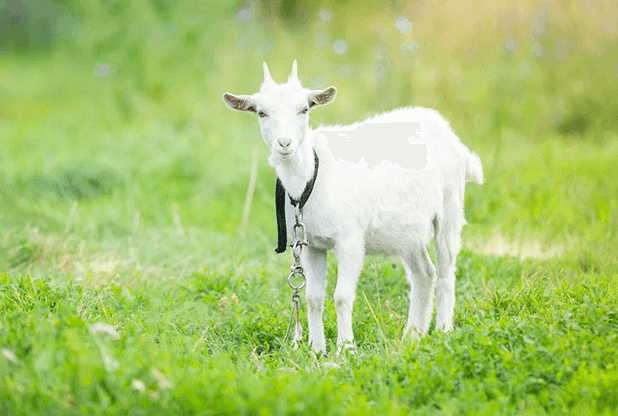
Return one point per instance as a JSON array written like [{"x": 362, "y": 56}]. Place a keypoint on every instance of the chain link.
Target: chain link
[{"x": 299, "y": 240}]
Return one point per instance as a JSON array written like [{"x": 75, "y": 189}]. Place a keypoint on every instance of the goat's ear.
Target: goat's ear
[
  {"x": 239, "y": 102},
  {"x": 321, "y": 97}
]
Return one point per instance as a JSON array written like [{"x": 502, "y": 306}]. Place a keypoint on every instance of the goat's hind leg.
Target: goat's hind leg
[
  {"x": 421, "y": 274},
  {"x": 448, "y": 243}
]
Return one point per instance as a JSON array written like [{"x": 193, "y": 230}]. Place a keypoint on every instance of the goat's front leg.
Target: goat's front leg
[
  {"x": 314, "y": 264},
  {"x": 350, "y": 255}
]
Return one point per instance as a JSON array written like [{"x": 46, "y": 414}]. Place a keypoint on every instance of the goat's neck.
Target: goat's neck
[{"x": 295, "y": 172}]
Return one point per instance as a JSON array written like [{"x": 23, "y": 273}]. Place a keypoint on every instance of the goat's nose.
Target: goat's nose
[{"x": 284, "y": 142}]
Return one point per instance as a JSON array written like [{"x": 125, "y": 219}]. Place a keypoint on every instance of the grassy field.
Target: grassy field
[{"x": 128, "y": 287}]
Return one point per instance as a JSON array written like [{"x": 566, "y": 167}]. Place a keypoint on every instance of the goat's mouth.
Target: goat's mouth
[{"x": 286, "y": 154}]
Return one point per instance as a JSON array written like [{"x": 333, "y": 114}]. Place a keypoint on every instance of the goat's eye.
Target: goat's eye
[
  {"x": 262, "y": 114},
  {"x": 304, "y": 110}
]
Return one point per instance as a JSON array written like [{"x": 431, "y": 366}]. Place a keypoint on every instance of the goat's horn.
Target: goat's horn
[
  {"x": 267, "y": 77},
  {"x": 294, "y": 73}
]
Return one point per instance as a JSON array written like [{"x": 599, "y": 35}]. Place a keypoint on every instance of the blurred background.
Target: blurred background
[{"x": 114, "y": 138}]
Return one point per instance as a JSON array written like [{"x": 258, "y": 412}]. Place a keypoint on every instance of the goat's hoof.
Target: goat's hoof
[
  {"x": 346, "y": 347},
  {"x": 319, "y": 354},
  {"x": 413, "y": 334},
  {"x": 446, "y": 328},
  {"x": 330, "y": 365}
]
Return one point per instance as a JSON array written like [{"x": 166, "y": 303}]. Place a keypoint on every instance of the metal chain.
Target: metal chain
[{"x": 299, "y": 240}]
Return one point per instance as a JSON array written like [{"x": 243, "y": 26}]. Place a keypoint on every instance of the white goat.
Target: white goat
[{"x": 356, "y": 209}]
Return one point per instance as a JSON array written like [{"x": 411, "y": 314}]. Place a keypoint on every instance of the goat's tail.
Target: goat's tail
[{"x": 474, "y": 168}]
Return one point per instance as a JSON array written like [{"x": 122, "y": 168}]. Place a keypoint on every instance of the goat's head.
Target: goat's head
[{"x": 282, "y": 110}]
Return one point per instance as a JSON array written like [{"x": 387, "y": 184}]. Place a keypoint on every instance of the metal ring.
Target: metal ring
[
  {"x": 298, "y": 232},
  {"x": 296, "y": 271},
  {"x": 296, "y": 250}
]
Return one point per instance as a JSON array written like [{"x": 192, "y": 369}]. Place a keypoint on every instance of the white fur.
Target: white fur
[{"x": 356, "y": 209}]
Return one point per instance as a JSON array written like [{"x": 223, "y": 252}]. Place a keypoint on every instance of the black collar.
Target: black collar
[{"x": 280, "y": 205}]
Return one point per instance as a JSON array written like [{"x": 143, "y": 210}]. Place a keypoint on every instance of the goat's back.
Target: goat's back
[{"x": 412, "y": 138}]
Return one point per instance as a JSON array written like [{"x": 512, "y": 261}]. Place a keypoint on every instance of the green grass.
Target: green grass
[
  {"x": 121, "y": 200},
  {"x": 537, "y": 340}
]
